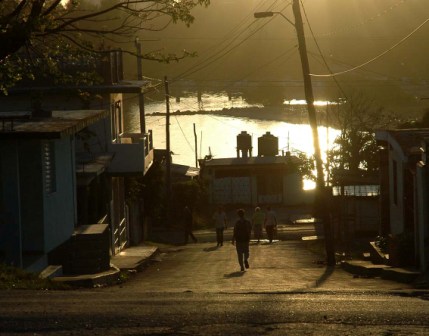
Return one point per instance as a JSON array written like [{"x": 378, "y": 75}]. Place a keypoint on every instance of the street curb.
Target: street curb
[
  {"x": 109, "y": 277},
  {"x": 362, "y": 267},
  {"x": 367, "y": 268},
  {"x": 400, "y": 275},
  {"x": 145, "y": 261}
]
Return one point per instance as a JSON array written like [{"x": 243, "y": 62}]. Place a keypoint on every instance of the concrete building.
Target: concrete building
[
  {"x": 404, "y": 194},
  {"x": 247, "y": 180},
  {"x": 101, "y": 156},
  {"x": 38, "y": 184}
]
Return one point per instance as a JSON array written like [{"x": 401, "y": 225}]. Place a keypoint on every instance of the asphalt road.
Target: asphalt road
[
  {"x": 198, "y": 290},
  {"x": 98, "y": 312}
]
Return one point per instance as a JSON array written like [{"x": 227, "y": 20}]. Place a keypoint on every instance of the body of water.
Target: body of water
[{"x": 217, "y": 133}]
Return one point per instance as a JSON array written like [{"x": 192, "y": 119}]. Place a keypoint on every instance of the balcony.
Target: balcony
[{"x": 133, "y": 153}]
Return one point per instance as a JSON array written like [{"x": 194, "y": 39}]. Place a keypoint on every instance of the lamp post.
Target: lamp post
[{"x": 320, "y": 200}]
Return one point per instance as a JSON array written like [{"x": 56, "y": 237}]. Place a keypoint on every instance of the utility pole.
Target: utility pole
[
  {"x": 196, "y": 147},
  {"x": 168, "y": 150},
  {"x": 321, "y": 204},
  {"x": 309, "y": 97},
  {"x": 140, "y": 78}
]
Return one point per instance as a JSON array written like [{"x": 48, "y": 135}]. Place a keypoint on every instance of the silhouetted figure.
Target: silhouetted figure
[
  {"x": 187, "y": 224},
  {"x": 258, "y": 220},
  {"x": 241, "y": 239},
  {"x": 220, "y": 223},
  {"x": 270, "y": 223}
]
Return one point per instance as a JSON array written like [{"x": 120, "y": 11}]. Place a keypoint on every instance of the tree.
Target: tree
[
  {"x": 38, "y": 31},
  {"x": 355, "y": 149},
  {"x": 422, "y": 123}
]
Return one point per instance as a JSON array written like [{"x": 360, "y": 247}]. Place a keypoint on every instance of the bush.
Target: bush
[{"x": 16, "y": 278}]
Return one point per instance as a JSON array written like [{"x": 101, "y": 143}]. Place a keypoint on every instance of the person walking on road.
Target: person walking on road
[
  {"x": 258, "y": 220},
  {"x": 241, "y": 239},
  {"x": 270, "y": 223},
  {"x": 188, "y": 223},
  {"x": 220, "y": 223}
]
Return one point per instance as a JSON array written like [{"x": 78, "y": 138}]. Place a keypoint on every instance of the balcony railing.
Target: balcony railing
[{"x": 133, "y": 153}]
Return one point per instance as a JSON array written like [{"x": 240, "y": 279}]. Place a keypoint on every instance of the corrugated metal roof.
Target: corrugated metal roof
[
  {"x": 184, "y": 170},
  {"x": 126, "y": 86},
  {"x": 408, "y": 139},
  {"x": 61, "y": 123}
]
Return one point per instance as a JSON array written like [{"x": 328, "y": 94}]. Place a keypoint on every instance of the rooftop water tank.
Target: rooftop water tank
[
  {"x": 268, "y": 145},
  {"x": 244, "y": 144}
]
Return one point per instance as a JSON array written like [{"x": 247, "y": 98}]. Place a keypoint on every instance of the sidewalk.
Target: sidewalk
[{"x": 133, "y": 258}]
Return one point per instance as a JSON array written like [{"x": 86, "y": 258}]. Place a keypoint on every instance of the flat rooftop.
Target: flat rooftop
[
  {"x": 60, "y": 124},
  {"x": 256, "y": 160}
]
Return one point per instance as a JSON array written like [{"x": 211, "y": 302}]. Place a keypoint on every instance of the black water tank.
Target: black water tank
[
  {"x": 244, "y": 144},
  {"x": 268, "y": 145}
]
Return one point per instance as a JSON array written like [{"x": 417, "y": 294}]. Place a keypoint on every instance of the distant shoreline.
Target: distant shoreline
[{"x": 292, "y": 114}]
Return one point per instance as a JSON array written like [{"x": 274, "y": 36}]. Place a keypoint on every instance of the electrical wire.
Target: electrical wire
[
  {"x": 228, "y": 36},
  {"x": 374, "y": 58},
  {"x": 224, "y": 51},
  {"x": 370, "y": 19},
  {"x": 183, "y": 133},
  {"x": 342, "y": 63},
  {"x": 320, "y": 51}
]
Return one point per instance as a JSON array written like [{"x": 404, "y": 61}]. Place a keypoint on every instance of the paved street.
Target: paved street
[
  {"x": 283, "y": 266},
  {"x": 197, "y": 289}
]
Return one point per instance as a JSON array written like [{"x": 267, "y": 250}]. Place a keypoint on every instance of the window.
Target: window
[
  {"x": 357, "y": 190},
  {"x": 49, "y": 167}
]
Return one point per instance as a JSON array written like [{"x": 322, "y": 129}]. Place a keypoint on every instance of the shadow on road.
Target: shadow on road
[
  {"x": 328, "y": 272},
  {"x": 234, "y": 275},
  {"x": 211, "y": 249}
]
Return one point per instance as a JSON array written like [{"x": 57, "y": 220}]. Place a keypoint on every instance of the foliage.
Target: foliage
[
  {"x": 355, "y": 149},
  {"x": 382, "y": 242},
  {"x": 16, "y": 278},
  {"x": 43, "y": 34},
  {"x": 193, "y": 194},
  {"x": 422, "y": 123},
  {"x": 306, "y": 166},
  {"x": 271, "y": 96},
  {"x": 150, "y": 188}
]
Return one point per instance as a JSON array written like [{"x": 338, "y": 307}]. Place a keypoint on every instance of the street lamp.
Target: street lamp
[
  {"x": 320, "y": 201},
  {"x": 260, "y": 15}
]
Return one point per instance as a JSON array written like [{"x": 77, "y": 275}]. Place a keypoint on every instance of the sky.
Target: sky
[{"x": 234, "y": 46}]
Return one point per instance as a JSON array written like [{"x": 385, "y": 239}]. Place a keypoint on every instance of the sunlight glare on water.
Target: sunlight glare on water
[{"x": 217, "y": 134}]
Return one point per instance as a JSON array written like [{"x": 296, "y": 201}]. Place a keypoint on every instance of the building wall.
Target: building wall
[
  {"x": 10, "y": 205},
  {"x": 253, "y": 187},
  {"x": 396, "y": 191},
  {"x": 31, "y": 191},
  {"x": 37, "y": 220},
  {"x": 293, "y": 193},
  {"x": 422, "y": 234},
  {"x": 59, "y": 205}
]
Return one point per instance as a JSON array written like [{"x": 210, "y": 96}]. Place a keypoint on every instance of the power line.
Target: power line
[
  {"x": 224, "y": 51},
  {"x": 183, "y": 133},
  {"x": 372, "y": 18},
  {"x": 374, "y": 58},
  {"x": 320, "y": 52}
]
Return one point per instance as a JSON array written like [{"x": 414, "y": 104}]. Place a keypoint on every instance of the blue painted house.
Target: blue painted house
[
  {"x": 65, "y": 157},
  {"x": 38, "y": 176}
]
